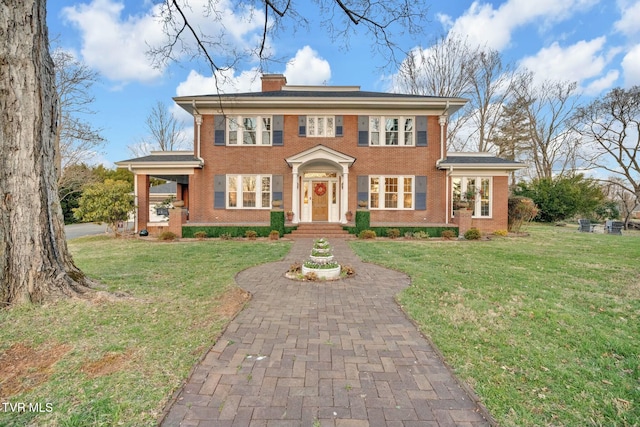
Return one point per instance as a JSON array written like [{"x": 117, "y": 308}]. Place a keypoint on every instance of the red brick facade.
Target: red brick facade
[{"x": 215, "y": 159}]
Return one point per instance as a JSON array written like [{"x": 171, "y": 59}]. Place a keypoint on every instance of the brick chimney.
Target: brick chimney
[{"x": 273, "y": 82}]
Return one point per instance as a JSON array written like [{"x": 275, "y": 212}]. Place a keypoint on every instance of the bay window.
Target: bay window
[{"x": 391, "y": 192}]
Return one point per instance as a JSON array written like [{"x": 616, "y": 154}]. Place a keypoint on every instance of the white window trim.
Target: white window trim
[
  {"x": 381, "y": 192},
  {"x": 239, "y": 119},
  {"x": 324, "y": 135},
  {"x": 382, "y": 133},
  {"x": 478, "y": 203},
  {"x": 258, "y": 191}
]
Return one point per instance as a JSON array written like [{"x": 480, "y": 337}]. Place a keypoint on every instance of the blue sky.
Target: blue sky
[{"x": 593, "y": 42}]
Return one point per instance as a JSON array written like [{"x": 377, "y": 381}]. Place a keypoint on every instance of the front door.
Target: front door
[{"x": 320, "y": 201}]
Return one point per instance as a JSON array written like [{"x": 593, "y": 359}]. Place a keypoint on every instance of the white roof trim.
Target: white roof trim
[{"x": 320, "y": 152}]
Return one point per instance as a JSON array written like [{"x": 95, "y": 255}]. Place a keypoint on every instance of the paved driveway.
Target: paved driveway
[
  {"x": 322, "y": 354},
  {"x": 79, "y": 230}
]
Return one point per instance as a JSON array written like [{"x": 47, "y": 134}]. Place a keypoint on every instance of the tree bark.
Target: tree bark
[{"x": 35, "y": 264}]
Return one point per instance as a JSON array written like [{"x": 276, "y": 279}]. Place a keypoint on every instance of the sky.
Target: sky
[{"x": 595, "y": 43}]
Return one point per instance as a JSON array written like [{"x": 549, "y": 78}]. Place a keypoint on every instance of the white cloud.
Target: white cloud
[
  {"x": 485, "y": 25},
  {"x": 116, "y": 44},
  {"x": 631, "y": 67},
  {"x": 307, "y": 68},
  {"x": 630, "y": 16},
  {"x": 579, "y": 62},
  {"x": 227, "y": 82}
]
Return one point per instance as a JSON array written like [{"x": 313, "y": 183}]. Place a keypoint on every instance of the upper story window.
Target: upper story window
[
  {"x": 321, "y": 126},
  {"x": 398, "y": 131},
  {"x": 391, "y": 192},
  {"x": 249, "y": 130}
]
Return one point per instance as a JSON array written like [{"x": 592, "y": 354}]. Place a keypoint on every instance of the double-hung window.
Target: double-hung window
[
  {"x": 249, "y": 191},
  {"x": 249, "y": 130},
  {"x": 321, "y": 126},
  {"x": 476, "y": 191},
  {"x": 391, "y": 131},
  {"x": 391, "y": 192}
]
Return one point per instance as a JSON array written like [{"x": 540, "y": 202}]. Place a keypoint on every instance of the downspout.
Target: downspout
[
  {"x": 442, "y": 121},
  {"x": 198, "y": 117},
  {"x": 447, "y": 192}
]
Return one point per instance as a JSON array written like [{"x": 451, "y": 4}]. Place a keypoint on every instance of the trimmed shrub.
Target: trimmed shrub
[
  {"x": 251, "y": 234},
  {"x": 502, "y": 233},
  {"x": 277, "y": 221},
  {"x": 473, "y": 234},
  {"x": 274, "y": 235},
  {"x": 363, "y": 221},
  {"x": 393, "y": 233},
  {"x": 447, "y": 234},
  {"x": 420, "y": 234},
  {"x": 167, "y": 236},
  {"x": 367, "y": 234},
  {"x": 200, "y": 235}
]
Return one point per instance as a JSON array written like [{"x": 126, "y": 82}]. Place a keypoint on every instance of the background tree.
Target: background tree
[
  {"x": 562, "y": 197},
  {"x": 76, "y": 138},
  {"x": 380, "y": 21},
  {"x": 611, "y": 125},
  {"x": 35, "y": 263},
  {"x": 453, "y": 67},
  {"x": 109, "y": 202},
  {"x": 549, "y": 109},
  {"x": 164, "y": 133}
]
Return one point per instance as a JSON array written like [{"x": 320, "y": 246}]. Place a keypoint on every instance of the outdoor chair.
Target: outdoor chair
[
  {"x": 614, "y": 227},
  {"x": 584, "y": 226}
]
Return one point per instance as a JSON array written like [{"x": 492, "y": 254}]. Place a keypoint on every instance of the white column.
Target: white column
[
  {"x": 344, "y": 194},
  {"x": 295, "y": 196}
]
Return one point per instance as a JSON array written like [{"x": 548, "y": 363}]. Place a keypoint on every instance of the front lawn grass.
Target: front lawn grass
[
  {"x": 117, "y": 363},
  {"x": 545, "y": 328}
]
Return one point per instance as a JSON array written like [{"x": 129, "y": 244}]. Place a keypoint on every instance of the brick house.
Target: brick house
[{"x": 323, "y": 152}]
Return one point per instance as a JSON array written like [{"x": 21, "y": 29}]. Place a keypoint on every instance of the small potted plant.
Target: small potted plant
[
  {"x": 289, "y": 215},
  {"x": 349, "y": 215}
]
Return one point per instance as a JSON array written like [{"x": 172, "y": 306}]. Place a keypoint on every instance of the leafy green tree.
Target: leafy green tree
[
  {"x": 562, "y": 197},
  {"x": 109, "y": 202}
]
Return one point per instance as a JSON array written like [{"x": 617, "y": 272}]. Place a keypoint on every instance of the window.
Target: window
[
  {"x": 391, "y": 192},
  {"x": 476, "y": 191},
  {"x": 398, "y": 131},
  {"x": 250, "y": 130},
  {"x": 321, "y": 126},
  {"x": 249, "y": 191}
]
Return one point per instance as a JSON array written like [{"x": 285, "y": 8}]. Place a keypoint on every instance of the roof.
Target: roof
[
  {"x": 478, "y": 161},
  {"x": 163, "y": 157},
  {"x": 166, "y": 188},
  {"x": 336, "y": 98}
]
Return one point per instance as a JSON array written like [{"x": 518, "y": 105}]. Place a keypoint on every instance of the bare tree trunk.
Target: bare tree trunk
[{"x": 35, "y": 264}]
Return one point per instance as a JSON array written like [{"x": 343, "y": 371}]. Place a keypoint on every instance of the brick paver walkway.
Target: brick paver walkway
[{"x": 313, "y": 354}]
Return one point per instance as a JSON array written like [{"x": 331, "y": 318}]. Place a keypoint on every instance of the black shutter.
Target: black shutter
[
  {"x": 302, "y": 125},
  {"x": 219, "y": 187},
  {"x": 219, "y": 133},
  {"x": 421, "y": 193},
  {"x": 363, "y": 131},
  {"x": 421, "y": 131},
  {"x": 278, "y": 131}
]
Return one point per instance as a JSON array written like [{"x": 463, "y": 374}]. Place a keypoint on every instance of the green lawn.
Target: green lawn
[
  {"x": 545, "y": 328},
  {"x": 119, "y": 362}
]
